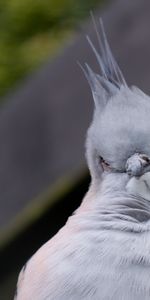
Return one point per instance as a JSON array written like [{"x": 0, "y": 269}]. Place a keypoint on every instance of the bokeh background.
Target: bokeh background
[{"x": 46, "y": 108}]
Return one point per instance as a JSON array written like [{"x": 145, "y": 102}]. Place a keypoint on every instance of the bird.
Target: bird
[{"x": 103, "y": 250}]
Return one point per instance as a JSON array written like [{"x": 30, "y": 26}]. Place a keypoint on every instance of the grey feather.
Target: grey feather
[
  {"x": 108, "y": 65},
  {"x": 103, "y": 251},
  {"x": 107, "y": 84}
]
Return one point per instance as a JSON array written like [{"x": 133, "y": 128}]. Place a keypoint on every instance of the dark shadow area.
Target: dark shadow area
[{"x": 14, "y": 256}]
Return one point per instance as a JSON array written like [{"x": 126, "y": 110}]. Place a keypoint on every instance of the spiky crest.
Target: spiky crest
[{"x": 111, "y": 79}]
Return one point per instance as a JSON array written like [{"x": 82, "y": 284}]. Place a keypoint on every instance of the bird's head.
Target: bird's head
[{"x": 118, "y": 140}]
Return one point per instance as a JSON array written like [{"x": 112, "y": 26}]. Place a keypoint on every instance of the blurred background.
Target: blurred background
[{"x": 45, "y": 110}]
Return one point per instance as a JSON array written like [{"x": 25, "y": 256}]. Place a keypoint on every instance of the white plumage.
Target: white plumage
[{"x": 103, "y": 251}]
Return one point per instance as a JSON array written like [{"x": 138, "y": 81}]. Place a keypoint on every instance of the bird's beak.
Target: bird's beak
[{"x": 137, "y": 165}]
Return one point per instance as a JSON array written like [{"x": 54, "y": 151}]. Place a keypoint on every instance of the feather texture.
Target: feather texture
[
  {"x": 103, "y": 251},
  {"x": 111, "y": 79}
]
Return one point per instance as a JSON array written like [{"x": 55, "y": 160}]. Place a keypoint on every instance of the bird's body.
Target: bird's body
[{"x": 103, "y": 251}]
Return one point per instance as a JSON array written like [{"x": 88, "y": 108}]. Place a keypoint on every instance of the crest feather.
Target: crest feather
[{"x": 111, "y": 79}]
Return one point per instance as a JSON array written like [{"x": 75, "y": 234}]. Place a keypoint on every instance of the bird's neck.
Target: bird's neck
[{"x": 113, "y": 207}]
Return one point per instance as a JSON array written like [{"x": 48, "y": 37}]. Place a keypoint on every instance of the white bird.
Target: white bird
[{"x": 103, "y": 251}]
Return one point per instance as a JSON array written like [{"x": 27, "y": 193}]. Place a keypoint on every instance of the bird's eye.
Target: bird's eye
[
  {"x": 105, "y": 165},
  {"x": 145, "y": 158}
]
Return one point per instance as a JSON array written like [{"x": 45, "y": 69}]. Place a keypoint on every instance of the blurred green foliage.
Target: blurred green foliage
[{"x": 31, "y": 31}]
